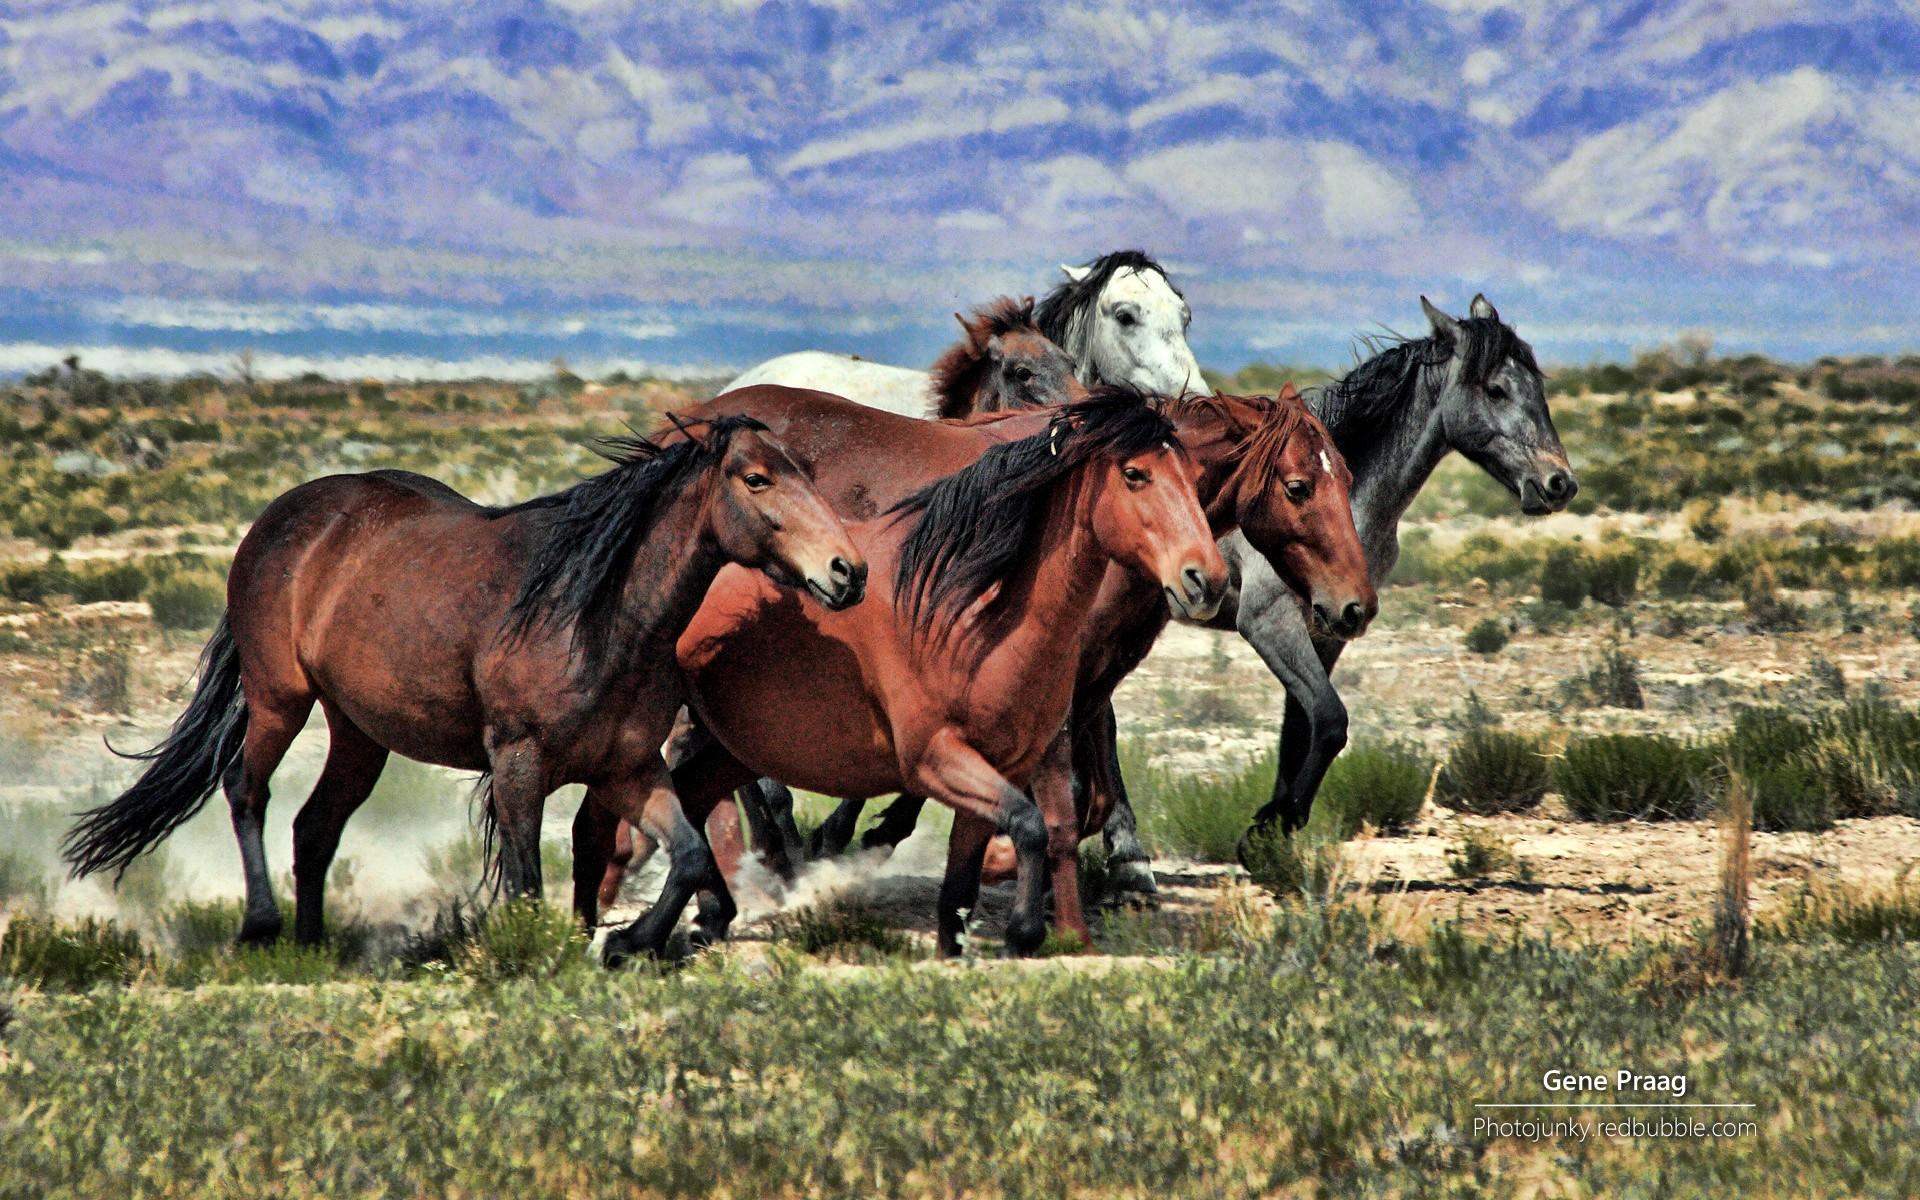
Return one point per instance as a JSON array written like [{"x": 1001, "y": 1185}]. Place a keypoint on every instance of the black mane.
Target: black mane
[
  {"x": 1386, "y": 381},
  {"x": 585, "y": 552},
  {"x": 1057, "y": 313},
  {"x": 975, "y": 525}
]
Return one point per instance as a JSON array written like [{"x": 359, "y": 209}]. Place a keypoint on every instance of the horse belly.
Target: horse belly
[{"x": 784, "y": 689}]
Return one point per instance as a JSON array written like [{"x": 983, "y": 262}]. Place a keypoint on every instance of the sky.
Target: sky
[{"x": 421, "y": 188}]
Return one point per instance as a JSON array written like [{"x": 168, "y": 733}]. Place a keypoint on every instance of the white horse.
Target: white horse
[{"x": 1118, "y": 316}]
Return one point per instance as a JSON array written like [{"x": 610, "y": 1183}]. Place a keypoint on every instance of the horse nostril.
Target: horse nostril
[
  {"x": 1560, "y": 486},
  {"x": 1196, "y": 580},
  {"x": 1353, "y": 616},
  {"x": 841, "y": 570}
]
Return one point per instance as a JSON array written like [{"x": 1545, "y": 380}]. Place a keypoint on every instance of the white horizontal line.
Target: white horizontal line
[{"x": 1615, "y": 1106}]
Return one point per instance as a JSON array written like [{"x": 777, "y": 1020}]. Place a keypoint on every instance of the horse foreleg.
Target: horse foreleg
[
  {"x": 768, "y": 807},
  {"x": 1270, "y": 620},
  {"x": 897, "y": 822},
  {"x": 1053, "y": 793},
  {"x": 956, "y": 774},
  {"x": 702, "y": 780},
  {"x": 835, "y": 833},
  {"x": 1108, "y": 810}
]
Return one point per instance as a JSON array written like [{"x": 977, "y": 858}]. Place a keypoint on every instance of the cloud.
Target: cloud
[
  {"x": 1792, "y": 169},
  {"x": 1279, "y": 181},
  {"x": 937, "y": 126},
  {"x": 19, "y": 357},
  {"x": 716, "y": 189}
]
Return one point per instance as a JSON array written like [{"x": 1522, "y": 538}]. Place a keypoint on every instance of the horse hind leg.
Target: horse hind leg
[
  {"x": 653, "y": 807},
  {"x": 271, "y": 727},
  {"x": 354, "y": 763}
]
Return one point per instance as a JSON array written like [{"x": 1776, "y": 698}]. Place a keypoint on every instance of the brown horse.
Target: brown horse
[
  {"x": 1002, "y": 362},
  {"x": 955, "y": 681},
  {"x": 532, "y": 643},
  {"x": 1260, "y": 468}
]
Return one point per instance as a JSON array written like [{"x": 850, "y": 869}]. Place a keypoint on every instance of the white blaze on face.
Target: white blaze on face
[
  {"x": 1326, "y": 462},
  {"x": 1151, "y": 354}
]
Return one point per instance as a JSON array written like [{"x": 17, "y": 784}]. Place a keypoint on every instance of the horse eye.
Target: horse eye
[
  {"x": 1125, "y": 317},
  {"x": 756, "y": 482},
  {"x": 1496, "y": 392},
  {"x": 1133, "y": 475},
  {"x": 1023, "y": 374},
  {"x": 1298, "y": 490}
]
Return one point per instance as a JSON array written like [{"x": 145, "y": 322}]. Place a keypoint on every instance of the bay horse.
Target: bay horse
[
  {"x": 1263, "y": 465},
  {"x": 955, "y": 678},
  {"x": 533, "y": 643},
  {"x": 1119, "y": 318}
]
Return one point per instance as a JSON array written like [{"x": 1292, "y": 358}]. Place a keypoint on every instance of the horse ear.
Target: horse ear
[
  {"x": 1443, "y": 325},
  {"x": 1482, "y": 307},
  {"x": 1075, "y": 274},
  {"x": 995, "y": 348}
]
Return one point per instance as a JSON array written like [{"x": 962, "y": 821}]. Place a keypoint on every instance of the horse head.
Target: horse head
[
  {"x": 1002, "y": 362},
  {"x": 1123, "y": 322},
  {"x": 1270, "y": 468},
  {"x": 1492, "y": 407},
  {"x": 766, "y": 513}
]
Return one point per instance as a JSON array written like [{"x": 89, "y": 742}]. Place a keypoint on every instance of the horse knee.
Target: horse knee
[
  {"x": 1330, "y": 731},
  {"x": 1025, "y": 827}
]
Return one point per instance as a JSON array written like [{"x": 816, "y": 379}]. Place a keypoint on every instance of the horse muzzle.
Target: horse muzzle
[
  {"x": 1345, "y": 621},
  {"x": 842, "y": 585},
  {"x": 1548, "y": 491},
  {"x": 1196, "y": 595}
]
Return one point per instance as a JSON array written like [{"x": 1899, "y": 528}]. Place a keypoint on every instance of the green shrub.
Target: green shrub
[
  {"x": 1850, "y": 913},
  {"x": 839, "y": 927},
  {"x": 1613, "y": 682},
  {"x": 1481, "y": 854},
  {"x": 1564, "y": 575},
  {"x": 1492, "y": 771},
  {"x": 1613, "y": 578},
  {"x": 188, "y": 601},
  {"x": 1677, "y": 579},
  {"x": 1624, "y": 776},
  {"x": 525, "y": 939},
  {"x": 1304, "y": 866},
  {"x": 1195, "y": 814},
  {"x": 1381, "y": 786},
  {"x": 1789, "y": 798},
  {"x": 1488, "y": 636},
  {"x": 69, "y": 958}
]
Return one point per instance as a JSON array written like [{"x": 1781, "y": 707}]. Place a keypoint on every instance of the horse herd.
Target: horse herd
[{"x": 846, "y": 577}]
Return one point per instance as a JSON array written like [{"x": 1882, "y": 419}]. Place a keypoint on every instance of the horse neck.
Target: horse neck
[
  {"x": 1048, "y": 603},
  {"x": 672, "y": 570},
  {"x": 1391, "y": 456}
]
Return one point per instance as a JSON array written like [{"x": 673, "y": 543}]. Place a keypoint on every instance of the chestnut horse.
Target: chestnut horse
[
  {"x": 532, "y": 643},
  {"x": 956, "y": 679},
  {"x": 1265, "y": 466}
]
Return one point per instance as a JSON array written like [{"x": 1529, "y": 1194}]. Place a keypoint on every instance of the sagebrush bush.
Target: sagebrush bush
[
  {"x": 1625, "y": 776},
  {"x": 1378, "y": 785},
  {"x": 69, "y": 958},
  {"x": 24, "y": 882},
  {"x": 1481, "y": 854},
  {"x": 1487, "y": 636},
  {"x": 1491, "y": 770},
  {"x": 839, "y": 927},
  {"x": 1200, "y": 815},
  {"x": 191, "y": 600},
  {"x": 1304, "y": 866},
  {"x": 1850, "y": 913},
  {"x": 525, "y": 939},
  {"x": 1613, "y": 578},
  {"x": 1564, "y": 577}
]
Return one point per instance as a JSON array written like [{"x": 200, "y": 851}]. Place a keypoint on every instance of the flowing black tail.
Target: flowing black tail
[{"x": 185, "y": 770}]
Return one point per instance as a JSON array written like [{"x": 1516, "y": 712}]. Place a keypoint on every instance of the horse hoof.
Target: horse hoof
[
  {"x": 262, "y": 931},
  {"x": 1024, "y": 937},
  {"x": 1132, "y": 883}
]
